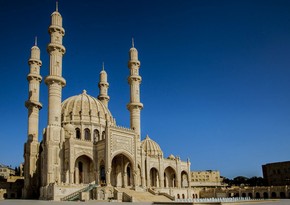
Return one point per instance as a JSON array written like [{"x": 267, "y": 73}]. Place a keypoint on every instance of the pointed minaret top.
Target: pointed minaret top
[
  {"x": 103, "y": 66},
  {"x": 56, "y": 6},
  {"x": 35, "y": 41},
  {"x": 132, "y": 42}
]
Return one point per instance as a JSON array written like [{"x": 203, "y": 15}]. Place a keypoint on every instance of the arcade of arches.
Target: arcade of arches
[{"x": 265, "y": 192}]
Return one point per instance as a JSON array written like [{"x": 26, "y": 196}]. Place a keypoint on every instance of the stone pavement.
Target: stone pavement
[{"x": 39, "y": 202}]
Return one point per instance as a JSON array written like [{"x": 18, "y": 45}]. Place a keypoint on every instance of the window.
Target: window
[
  {"x": 78, "y": 133},
  {"x": 87, "y": 134}
]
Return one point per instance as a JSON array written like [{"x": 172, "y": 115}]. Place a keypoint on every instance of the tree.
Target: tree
[
  {"x": 256, "y": 181},
  {"x": 240, "y": 180},
  {"x": 244, "y": 181}
]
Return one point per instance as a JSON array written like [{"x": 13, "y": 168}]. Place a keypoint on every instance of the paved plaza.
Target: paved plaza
[{"x": 39, "y": 202}]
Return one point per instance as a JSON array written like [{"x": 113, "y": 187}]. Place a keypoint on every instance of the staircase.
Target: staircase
[
  {"x": 76, "y": 195},
  {"x": 143, "y": 196}
]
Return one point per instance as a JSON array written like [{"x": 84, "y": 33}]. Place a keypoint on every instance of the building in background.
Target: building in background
[
  {"x": 208, "y": 178},
  {"x": 6, "y": 171},
  {"x": 277, "y": 174}
]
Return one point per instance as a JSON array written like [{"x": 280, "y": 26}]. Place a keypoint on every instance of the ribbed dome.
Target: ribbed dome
[
  {"x": 86, "y": 109},
  {"x": 151, "y": 147}
]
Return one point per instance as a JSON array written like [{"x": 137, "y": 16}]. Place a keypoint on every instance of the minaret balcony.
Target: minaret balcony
[
  {"x": 55, "y": 79},
  {"x": 103, "y": 84},
  {"x": 55, "y": 46},
  {"x": 34, "y": 61},
  {"x": 32, "y": 103},
  {"x": 134, "y": 105},
  {"x": 132, "y": 78},
  {"x": 135, "y": 63},
  {"x": 32, "y": 76},
  {"x": 55, "y": 28},
  {"x": 103, "y": 97}
]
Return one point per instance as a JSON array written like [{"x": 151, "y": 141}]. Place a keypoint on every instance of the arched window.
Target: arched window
[
  {"x": 178, "y": 196},
  {"x": 78, "y": 133},
  {"x": 87, "y": 134},
  {"x": 183, "y": 196},
  {"x": 96, "y": 135}
]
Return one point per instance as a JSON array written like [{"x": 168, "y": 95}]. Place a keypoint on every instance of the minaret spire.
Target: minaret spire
[
  {"x": 56, "y": 6},
  {"x": 134, "y": 80},
  {"x": 35, "y": 41},
  {"x": 103, "y": 86},
  {"x": 33, "y": 105}
]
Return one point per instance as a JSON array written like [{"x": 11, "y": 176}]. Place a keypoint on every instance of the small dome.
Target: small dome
[
  {"x": 133, "y": 49},
  {"x": 69, "y": 128},
  {"x": 171, "y": 157},
  {"x": 85, "y": 108},
  {"x": 35, "y": 47},
  {"x": 55, "y": 13},
  {"x": 151, "y": 147}
]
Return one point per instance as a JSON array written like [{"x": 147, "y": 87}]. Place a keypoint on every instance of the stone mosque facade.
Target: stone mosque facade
[{"x": 82, "y": 148}]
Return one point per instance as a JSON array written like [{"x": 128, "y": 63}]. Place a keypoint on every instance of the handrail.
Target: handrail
[{"x": 75, "y": 195}]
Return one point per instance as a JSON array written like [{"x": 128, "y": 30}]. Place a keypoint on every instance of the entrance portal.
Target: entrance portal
[
  {"x": 84, "y": 170},
  {"x": 121, "y": 175}
]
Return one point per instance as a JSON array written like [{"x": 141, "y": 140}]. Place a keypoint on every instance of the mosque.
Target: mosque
[{"x": 83, "y": 150}]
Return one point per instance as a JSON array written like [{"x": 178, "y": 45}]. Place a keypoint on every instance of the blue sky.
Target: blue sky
[{"x": 215, "y": 74}]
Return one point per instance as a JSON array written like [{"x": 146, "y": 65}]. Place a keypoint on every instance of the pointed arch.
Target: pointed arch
[{"x": 169, "y": 177}]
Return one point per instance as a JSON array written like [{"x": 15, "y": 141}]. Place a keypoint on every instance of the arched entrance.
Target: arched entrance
[
  {"x": 273, "y": 195},
  {"x": 265, "y": 195},
  {"x": 122, "y": 171},
  {"x": 84, "y": 170},
  {"x": 258, "y": 195},
  {"x": 169, "y": 177},
  {"x": 184, "y": 179},
  {"x": 154, "y": 177}
]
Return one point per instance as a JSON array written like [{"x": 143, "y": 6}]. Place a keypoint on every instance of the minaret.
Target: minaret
[
  {"x": 33, "y": 105},
  {"x": 55, "y": 83},
  {"x": 103, "y": 86},
  {"x": 134, "y": 80}
]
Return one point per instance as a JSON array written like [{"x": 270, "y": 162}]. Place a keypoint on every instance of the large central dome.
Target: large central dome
[{"x": 84, "y": 108}]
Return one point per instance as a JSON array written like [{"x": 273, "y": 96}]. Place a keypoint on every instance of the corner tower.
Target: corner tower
[
  {"x": 103, "y": 86},
  {"x": 134, "y": 80},
  {"x": 31, "y": 147},
  {"x": 55, "y": 83}
]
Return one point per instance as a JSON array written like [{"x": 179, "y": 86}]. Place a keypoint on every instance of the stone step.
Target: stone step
[{"x": 144, "y": 196}]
